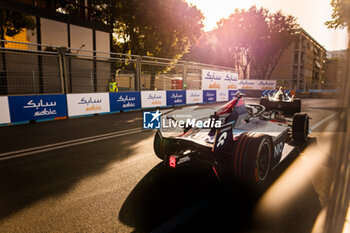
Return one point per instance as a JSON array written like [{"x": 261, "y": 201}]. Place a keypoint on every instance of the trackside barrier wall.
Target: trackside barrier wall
[
  {"x": 23, "y": 109},
  {"x": 176, "y": 98},
  {"x": 4, "y": 113},
  {"x": 194, "y": 96},
  {"x": 209, "y": 96},
  {"x": 37, "y": 107},
  {"x": 124, "y": 101},
  {"x": 221, "y": 95},
  {"x": 88, "y": 103},
  {"x": 152, "y": 99},
  {"x": 232, "y": 94}
]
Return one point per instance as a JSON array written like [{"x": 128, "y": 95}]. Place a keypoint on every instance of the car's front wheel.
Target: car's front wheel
[{"x": 300, "y": 128}]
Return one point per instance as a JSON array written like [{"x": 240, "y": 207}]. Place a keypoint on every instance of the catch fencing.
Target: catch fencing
[{"x": 45, "y": 69}]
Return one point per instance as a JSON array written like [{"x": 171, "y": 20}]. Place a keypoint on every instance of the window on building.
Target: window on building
[
  {"x": 295, "y": 71},
  {"x": 296, "y": 43},
  {"x": 296, "y": 55}
]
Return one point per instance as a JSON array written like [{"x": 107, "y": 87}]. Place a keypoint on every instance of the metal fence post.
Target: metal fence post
[
  {"x": 3, "y": 73},
  {"x": 138, "y": 74},
  {"x": 34, "y": 82},
  {"x": 184, "y": 77},
  {"x": 63, "y": 68},
  {"x": 92, "y": 81}
]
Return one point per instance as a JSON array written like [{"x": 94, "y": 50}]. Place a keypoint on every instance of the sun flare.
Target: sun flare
[{"x": 311, "y": 15}]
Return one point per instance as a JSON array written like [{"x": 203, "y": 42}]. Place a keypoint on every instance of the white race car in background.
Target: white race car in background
[{"x": 281, "y": 101}]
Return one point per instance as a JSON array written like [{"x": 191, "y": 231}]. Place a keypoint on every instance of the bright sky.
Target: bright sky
[{"x": 310, "y": 14}]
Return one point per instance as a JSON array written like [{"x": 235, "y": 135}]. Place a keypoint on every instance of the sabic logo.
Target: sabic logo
[
  {"x": 246, "y": 82},
  {"x": 266, "y": 83}
]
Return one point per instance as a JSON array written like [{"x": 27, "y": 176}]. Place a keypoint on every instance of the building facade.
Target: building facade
[
  {"x": 302, "y": 64},
  {"x": 54, "y": 26},
  {"x": 57, "y": 25},
  {"x": 335, "y": 68}
]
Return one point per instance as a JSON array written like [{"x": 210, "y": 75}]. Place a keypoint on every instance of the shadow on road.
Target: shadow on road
[
  {"x": 27, "y": 180},
  {"x": 190, "y": 199},
  {"x": 168, "y": 195},
  {"x": 163, "y": 193}
]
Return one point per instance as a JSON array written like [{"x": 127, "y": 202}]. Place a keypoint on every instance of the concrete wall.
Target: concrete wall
[
  {"x": 54, "y": 32},
  {"x": 102, "y": 42},
  {"x": 81, "y": 37}
]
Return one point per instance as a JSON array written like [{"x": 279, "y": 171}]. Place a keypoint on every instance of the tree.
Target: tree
[
  {"x": 160, "y": 28},
  {"x": 239, "y": 34},
  {"x": 340, "y": 14},
  {"x": 280, "y": 35},
  {"x": 206, "y": 51},
  {"x": 254, "y": 39},
  {"x": 14, "y": 22}
]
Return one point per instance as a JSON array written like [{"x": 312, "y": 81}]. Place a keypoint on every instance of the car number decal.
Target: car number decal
[{"x": 222, "y": 138}]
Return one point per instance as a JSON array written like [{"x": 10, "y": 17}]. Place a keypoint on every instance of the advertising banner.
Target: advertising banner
[
  {"x": 247, "y": 84},
  {"x": 151, "y": 99},
  {"x": 87, "y": 103},
  {"x": 37, "y": 107},
  {"x": 250, "y": 84},
  {"x": 209, "y": 96},
  {"x": 176, "y": 97},
  {"x": 230, "y": 81},
  {"x": 121, "y": 101},
  {"x": 5, "y": 112},
  {"x": 194, "y": 96},
  {"x": 215, "y": 80},
  {"x": 231, "y": 94},
  {"x": 221, "y": 95},
  {"x": 211, "y": 80},
  {"x": 266, "y": 84}
]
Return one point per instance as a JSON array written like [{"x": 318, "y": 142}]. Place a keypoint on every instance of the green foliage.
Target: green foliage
[
  {"x": 340, "y": 14},
  {"x": 14, "y": 22},
  {"x": 162, "y": 28},
  {"x": 159, "y": 28}
]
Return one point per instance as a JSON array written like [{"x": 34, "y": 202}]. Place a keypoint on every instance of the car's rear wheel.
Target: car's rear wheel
[
  {"x": 300, "y": 127},
  {"x": 252, "y": 158}
]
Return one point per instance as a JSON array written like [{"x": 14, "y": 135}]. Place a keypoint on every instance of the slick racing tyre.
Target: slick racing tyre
[
  {"x": 157, "y": 145},
  {"x": 252, "y": 158},
  {"x": 300, "y": 127},
  {"x": 296, "y": 107}
]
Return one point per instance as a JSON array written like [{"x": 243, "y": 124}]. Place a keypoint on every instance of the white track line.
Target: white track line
[
  {"x": 54, "y": 146},
  {"x": 321, "y": 122}
]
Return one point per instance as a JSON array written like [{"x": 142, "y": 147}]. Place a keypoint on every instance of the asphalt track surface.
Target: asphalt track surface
[{"x": 100, "y": 174}]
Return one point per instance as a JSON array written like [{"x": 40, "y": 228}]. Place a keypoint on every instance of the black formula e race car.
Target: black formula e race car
[
  {"x": 247, "y": 146},
  {"x": 281, "y": 101}
]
